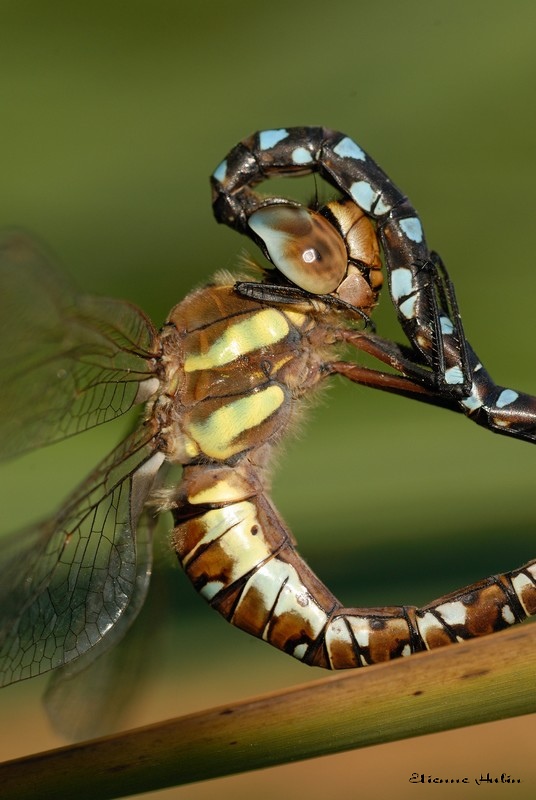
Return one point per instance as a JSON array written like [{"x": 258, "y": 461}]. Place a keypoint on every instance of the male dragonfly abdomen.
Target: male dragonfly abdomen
[{"x": 223, "y": 381}]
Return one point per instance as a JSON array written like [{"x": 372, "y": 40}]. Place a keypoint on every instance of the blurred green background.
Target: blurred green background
[{"x": 112, "y": 117}]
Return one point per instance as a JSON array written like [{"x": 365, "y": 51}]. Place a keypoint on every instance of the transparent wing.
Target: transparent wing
[
  {"x": 68, "y": 361},
  {"x": 87, "y": 697},
  {"x": 65, "y": 583}
]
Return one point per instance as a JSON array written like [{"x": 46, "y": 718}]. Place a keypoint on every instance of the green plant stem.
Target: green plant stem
[{"x": 479, "y": 681}]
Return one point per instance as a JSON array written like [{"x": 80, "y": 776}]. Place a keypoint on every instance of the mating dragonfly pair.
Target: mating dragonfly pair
[{"x": 222, "y": 382}]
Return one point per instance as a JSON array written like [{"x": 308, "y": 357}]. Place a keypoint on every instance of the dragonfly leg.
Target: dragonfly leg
[
  {"x": 387, "y": 382},
  {"x": 415, "y": 381},
  {"x": 498, "y": 408}
]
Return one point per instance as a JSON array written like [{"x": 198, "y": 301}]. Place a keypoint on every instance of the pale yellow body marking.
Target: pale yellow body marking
[
  {"x": 426, "y": 624},
  {"x": 221, "y": 492},
  {"x": 282, "y": 592},
  {"x": 521, "y": 582},
  {"x": 361, "y": 629},
  {"x": 296, "y": 317},
  {"x": 216, "y": 434},
  {"x": 261, "y": 329},
  {"x": 508, "y": 616},
  {"x": 244, "y": 549},
  {"x": 217, "y": 521},
  {"x": 453, "y": 613},
  {"x": 336, "y": 633}
]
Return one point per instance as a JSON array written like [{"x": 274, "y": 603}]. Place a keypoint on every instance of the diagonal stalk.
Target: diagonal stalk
[{"x": 479, "y": 681}]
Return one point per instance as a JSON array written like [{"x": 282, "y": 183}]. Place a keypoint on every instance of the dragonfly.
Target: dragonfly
[{"x": 220, "y": 386}]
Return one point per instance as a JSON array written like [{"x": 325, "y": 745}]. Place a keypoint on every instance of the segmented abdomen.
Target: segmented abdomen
[{"x": 239, "y": 555}]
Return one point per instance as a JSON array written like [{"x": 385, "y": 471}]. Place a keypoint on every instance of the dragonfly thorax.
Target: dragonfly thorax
[{"x": 236, "y": 371}]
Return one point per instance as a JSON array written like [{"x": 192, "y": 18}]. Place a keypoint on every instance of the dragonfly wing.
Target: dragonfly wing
[
  {"x": 65, "y": 583},
  {"x": 87, "y": 697},
  {"x": 68, "y": 361}
]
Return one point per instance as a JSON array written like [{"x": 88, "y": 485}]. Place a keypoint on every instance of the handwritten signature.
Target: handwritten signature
[{"x": 417, "y": 777}]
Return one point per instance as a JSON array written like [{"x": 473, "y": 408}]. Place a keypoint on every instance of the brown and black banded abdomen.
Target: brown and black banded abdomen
[{"x": 239, "y": 555}]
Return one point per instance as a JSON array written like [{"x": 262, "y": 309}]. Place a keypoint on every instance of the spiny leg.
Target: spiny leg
[
  {"x": 498, "y": 408},
  {"x": 415, "y": 381},
  {"x": 446, "y": 339}
]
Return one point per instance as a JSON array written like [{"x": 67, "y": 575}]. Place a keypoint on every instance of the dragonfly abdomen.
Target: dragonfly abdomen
[{"x": 239, "y": 554}]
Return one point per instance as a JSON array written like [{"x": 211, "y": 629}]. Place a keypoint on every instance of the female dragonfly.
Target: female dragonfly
[{"x": 222, "y": 382}]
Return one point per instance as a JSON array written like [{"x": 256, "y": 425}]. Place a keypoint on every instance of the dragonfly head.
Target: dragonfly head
[{"x": 330, "y": 251}]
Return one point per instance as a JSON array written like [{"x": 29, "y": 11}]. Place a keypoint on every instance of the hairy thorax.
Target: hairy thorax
[{"x": 235, "y": 370}]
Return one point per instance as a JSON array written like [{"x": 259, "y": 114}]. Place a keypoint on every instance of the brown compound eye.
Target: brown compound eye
[{"x": 303, "y": 245}]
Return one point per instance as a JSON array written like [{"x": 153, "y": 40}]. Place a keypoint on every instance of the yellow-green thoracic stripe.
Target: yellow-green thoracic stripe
[
  {"x": 216, "y": 434},
  {"x": 261, "y": 329}
]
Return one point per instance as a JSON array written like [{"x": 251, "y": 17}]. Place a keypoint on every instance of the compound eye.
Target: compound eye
[{"x": 303, "y": 245}]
